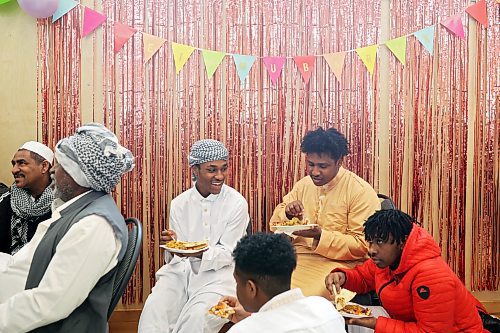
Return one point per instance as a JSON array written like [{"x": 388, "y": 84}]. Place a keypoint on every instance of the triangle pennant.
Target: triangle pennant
[
  {"x": 122, "y": 34},
  {"x": 243, "y": 65},
  {"x": 212, "y": 60},
  {"x": 478, "y": 12},
  {"x": 151, "y": 45},
  {"x": 64, "y": 7},
  {"x": 368, "y": 55},
  {"x": 182, "y": 53},
  {"x": 426, "y": 37},
  {"x": 305, "y": 65},
  {"x": 398, "y": 48},
  {"x": 336, "y": 63},
  {"x": 274, "y": 65},
  {"x": 454, "y": 25},
  {"x": 91, "y": 20}
]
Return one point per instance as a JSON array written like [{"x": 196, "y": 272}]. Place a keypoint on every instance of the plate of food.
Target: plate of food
[
  {"x": 222, "y": 310},
  {"x": 294, "y": 224},
  {"x": 353, "y": 310},
  {"x": 176, "y": 246}
]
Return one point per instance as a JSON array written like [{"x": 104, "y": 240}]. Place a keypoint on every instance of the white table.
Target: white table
[{"x": 377, "y": 311}]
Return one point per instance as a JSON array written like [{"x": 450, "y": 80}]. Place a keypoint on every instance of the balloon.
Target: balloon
[
  {"x": 3, "y": 1},
  {"x": 39, "y": 8}
]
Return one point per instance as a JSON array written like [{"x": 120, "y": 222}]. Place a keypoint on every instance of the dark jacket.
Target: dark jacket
[
  {"x": 5, "y": 221},
  {"x": 422, "y": 294}
]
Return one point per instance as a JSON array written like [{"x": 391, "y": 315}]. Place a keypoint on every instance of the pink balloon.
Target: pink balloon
[{"x": 39, "y": 8}]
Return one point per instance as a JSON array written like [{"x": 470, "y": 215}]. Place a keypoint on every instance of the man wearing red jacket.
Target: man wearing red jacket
[{"x": 415, "y": 285}]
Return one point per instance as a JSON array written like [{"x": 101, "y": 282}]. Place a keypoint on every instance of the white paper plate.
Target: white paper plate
[
  {"x": 292, "y": 228},
  {"x": 183, "y": 251},
  {"x": 350, "y": 315}
]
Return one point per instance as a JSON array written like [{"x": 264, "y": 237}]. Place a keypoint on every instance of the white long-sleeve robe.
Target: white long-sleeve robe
[{"x": 186, "y": 288}]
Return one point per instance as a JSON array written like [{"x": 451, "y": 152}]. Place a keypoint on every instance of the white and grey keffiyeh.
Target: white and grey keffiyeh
[
  {"x": 207, "y": 150},
  {"x": 94, "y": 158},
  {"x": 24, "y": 209}
]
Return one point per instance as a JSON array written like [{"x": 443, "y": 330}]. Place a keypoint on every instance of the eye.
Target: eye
[
  {"x": 379, "y": 241},
  {"x": 211, "y": 170},
  {"x": 224, "y": 169}
]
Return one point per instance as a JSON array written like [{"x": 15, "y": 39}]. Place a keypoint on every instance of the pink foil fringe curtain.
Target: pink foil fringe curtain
[{"x": 159, "y": 114}]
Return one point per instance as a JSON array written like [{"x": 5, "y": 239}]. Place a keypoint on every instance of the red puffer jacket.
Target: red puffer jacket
[{"x": 422, "y": 294}]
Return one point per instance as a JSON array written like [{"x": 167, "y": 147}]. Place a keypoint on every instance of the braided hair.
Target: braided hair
[{"x": 389, "y": 221}]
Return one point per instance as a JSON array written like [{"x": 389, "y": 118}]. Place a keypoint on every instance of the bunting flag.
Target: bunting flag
[
  {"x": 274, "y": 65},
  {"x": 91, "y": 20},
  {"x": 212, "y": 60},
  {"x": 243, "y": 65},
  {"x": 454, "y": 25},
  {"x": 64, "y": 7},
  {"x": 426, "y": 37},
  {"x": 151, "y": 45},
  {"x": 305, "y": 65},
  {"x": 368, "y": 55},
  {"x": 122, "y": 34},
  {"x": 398, "y": 48},
  {"x": 336, "y": 63},
  {"x": 182, "y": 53},
  {"x": 478, "y": 12}
]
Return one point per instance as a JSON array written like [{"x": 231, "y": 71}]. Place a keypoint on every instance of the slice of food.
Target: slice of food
[
  {"x": 180, "y": 245},
  {"x": 222, "y": 310},
  {"x": 342, "y": 298},
  {"x": 357, "y": 309}
]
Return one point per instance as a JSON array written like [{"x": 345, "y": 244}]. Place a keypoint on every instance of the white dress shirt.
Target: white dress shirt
[
  {"x": 87, "y": 252},
  {"x": 290, "y": 312}
]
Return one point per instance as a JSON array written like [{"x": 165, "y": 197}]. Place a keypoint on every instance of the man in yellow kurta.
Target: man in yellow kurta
[{"x": 334, "y": 198}]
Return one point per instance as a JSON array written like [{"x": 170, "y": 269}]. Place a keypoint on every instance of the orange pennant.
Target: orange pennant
[
  {"x": 305, "y": 65},
  {"x": 478, "y": 12},
  {"x": 336, "y": 63},
  {"x": 151, "y": 44}
]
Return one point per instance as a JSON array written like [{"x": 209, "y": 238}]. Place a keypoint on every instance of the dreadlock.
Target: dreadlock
[
  {"x": 330, "y": 142},
  {"x": 389, "y": 221}
]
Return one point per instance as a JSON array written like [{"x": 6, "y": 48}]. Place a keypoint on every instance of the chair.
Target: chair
[
  {"x": 127, "y": 264},
  {"x": 386, "y": 202}
]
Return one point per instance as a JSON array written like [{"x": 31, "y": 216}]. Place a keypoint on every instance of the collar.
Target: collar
[
  {"x": 330, "y": 185},
  {"x": 284, "y": 298},
  {"x": 57, "y": 209},
  {"x": 211, "y": 197}
]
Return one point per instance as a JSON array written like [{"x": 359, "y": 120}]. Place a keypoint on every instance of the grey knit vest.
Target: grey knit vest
[{"x": 91, "y": 315}]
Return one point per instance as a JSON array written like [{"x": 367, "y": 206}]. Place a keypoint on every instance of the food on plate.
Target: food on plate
[
  {"x": 222, "y": 310},
  {"x": 180, "y": 245},
  {"x": 356, "y": 309},
  {"x": 292, "y": 222},
  {"x": 342, "y": 298}
]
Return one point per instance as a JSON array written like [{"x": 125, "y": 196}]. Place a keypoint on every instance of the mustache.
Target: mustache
[{"x": 18, "y": 174}]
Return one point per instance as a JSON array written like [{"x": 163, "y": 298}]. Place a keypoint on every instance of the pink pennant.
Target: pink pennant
[
  {"x": 454, "y": 25},
  {"x": 91, "y": 20},
  {"x": 478, "y": 12},
  {"x": 274, "y": 65},
  {"x": 305, "y": 65},
  {"x": 122, "y": 35}
]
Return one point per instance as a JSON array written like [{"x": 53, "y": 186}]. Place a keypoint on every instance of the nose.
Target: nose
[
  {"x": 15, "y": 169},
  {"x": 219, "y": 175},
  {"x": 314, "y": 171},
  {"x": 372, "y": 249}
]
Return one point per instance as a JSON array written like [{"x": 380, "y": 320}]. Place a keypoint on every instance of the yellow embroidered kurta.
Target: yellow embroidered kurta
[{"x": 340, "y": 208}]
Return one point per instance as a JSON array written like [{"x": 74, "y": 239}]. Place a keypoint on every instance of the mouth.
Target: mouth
[
  {"x": 316, "y": 180},
  {"x": 217, "y": 184}
]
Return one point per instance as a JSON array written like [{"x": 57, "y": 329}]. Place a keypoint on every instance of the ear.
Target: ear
[
  {"x": 251, "y": 288},
  {"x": 45, "y": 166},
  {"x": 339, "y": 161},
  {"x": 195, "y": 170}
]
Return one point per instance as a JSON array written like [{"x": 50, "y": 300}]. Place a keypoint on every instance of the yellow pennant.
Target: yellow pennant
[
  {"x": 368, "y": 55},
  {"x": 151, "y": 45},
  {"x": 398, "y": 48},
  {"x": 336, "y": 63},
  {"x": 182, "y": 53}
]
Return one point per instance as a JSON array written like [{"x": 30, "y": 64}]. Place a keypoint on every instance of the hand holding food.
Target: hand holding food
[
  {"x": 294, "y": 209},
  {"x": 334, "y": 282},
  {"x": 221, "y": 309},
  {"x": 168, "y": 235}
]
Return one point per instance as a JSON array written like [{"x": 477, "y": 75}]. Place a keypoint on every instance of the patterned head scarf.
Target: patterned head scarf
[
  {"x": 94, "y": 158},
  {"x": 206, "y": 151}
]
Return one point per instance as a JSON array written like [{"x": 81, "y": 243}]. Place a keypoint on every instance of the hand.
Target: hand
[
  {"x": 239, "y": 312},
  {"x": 168, "y": 235},
  {"x": 309, "y": 233},
  {"x": 369, "y": 322},
  {"x": 294, "y": 209},
  {"x": 335, "y": 279}
]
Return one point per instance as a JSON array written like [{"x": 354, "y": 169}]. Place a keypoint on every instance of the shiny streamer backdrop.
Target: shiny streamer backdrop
[{"x": 158, "y": 114}]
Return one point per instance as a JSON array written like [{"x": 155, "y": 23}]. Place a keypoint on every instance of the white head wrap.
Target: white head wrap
[
  {"x": 206, "y": 151},
  {"x": 94, "y": 158},
  {"x": 40, "y": 149}
]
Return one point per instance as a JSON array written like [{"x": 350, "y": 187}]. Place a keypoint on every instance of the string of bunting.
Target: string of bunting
[{"x": 274, "y": 64}]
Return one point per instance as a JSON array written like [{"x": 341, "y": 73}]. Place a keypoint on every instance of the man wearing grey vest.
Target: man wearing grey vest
[{"x": 62, "y": 280}]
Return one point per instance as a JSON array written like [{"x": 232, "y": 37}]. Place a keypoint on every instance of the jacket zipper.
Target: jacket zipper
[{"x": 383, "y": 286}]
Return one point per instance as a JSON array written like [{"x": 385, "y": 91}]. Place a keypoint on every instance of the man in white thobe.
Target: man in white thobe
[{"x": 187, "y": 286}]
